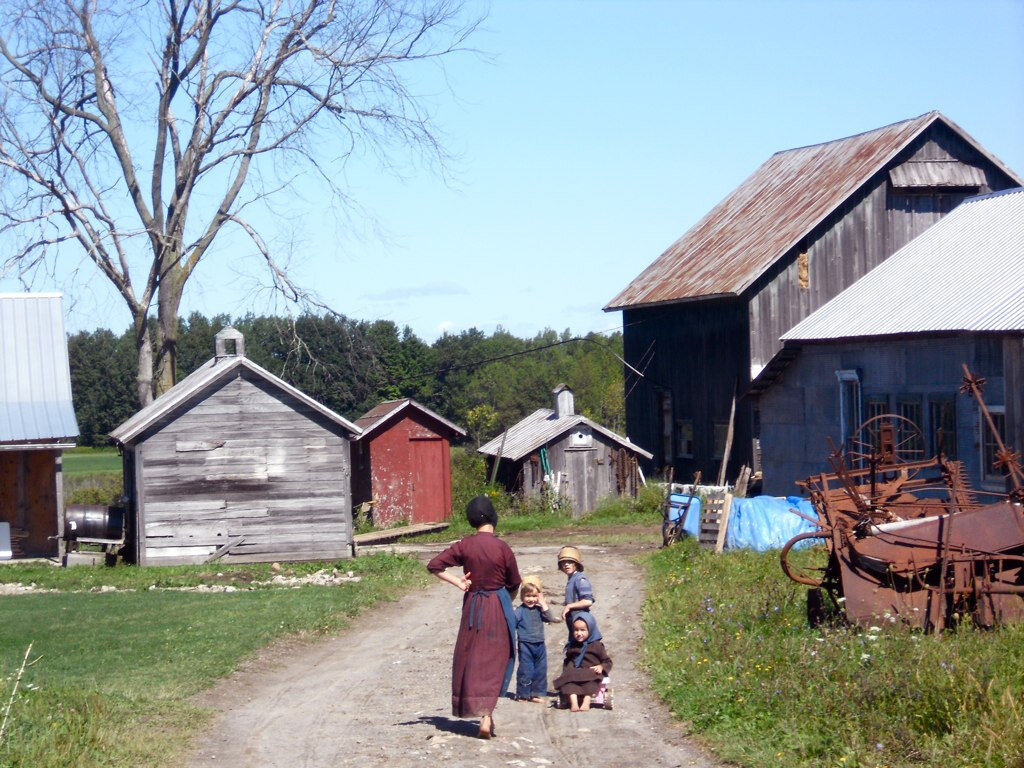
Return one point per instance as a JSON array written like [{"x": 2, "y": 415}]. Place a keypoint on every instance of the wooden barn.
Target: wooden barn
[
  {"x": 561, "y": 453},
  {"x": 37, "y": 422},
  {"x": 705, "y": 318},
  {"x": 233, "y": 462},
  {"x": 895, "y": 342},
  {"x": 401, "y": 463}
]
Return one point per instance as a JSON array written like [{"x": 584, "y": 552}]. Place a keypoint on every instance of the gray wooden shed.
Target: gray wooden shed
[
  {"x": 560, "y": 452},
  {"x": 237, "y": 463}
]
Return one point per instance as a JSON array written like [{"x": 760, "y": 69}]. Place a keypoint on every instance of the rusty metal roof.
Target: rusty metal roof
[
  {"x": 541, "y": 428},
  {"x": 964, "y": 273},
  {"x": 35, "y": 380},
  {"x": 212, "y": 371},
  {"x": 770, "y": 212},
  {"x": 375, "y": 418}
]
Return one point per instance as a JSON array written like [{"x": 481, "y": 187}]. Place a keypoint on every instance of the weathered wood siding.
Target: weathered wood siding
[
  {"x": 694, "y": 350},
  {"x": 860, "y": 235},
  {"x": 800, "y": 412},
  {"x": 587, "y": 474},
  {"x": 245, "y": 461},
  {"x": 698, "y": 352}
]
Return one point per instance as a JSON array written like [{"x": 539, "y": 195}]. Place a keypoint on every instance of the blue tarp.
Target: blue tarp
[{"x": 765, "y": 522}]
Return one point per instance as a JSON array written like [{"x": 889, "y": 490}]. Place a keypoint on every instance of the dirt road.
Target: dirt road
[{"x": 379, "y": 694}]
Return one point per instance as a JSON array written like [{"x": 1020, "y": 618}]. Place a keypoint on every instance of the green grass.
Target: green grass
[
  {"x": 729, "y": 649},
  {"x": 91, "y": 461},
  {"x": 114, "y": 671}
]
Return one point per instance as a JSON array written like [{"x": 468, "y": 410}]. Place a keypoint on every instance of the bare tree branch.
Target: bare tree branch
[{"x": 230, "y": 86}]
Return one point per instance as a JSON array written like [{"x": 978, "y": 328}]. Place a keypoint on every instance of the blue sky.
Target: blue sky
[{"x": 590, "y": 135}]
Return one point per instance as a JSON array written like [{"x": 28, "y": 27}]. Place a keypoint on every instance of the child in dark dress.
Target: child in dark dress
[
  {"x": 531, "y": 614},
  {"x": 586, "y": 663}
]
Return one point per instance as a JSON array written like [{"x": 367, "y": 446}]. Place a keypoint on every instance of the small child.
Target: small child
[
  {"x": 532, "y": 675},
  {"x": 586, "y": 665},
  {"x": 579, "y": 595}
]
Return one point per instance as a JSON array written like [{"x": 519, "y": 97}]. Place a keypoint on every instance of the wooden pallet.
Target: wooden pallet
[{"x": 714, "y": 518}]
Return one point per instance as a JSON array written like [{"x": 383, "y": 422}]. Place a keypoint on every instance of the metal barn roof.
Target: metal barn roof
[
  {"x": 964, "y": 273},
  {"x": 374, "y": 418},
  {"x": 35, "y": 381},
  {"x": 211, "y": 371},
  {"x": 770, "y": 212},
  {"x": 541, "y": 428}
]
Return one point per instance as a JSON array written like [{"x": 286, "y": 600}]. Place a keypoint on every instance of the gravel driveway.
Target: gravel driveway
[{"x": 379, "y": 693}]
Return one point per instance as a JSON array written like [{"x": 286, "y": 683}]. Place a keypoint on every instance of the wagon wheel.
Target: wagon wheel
[{"x": 886, "y": 440}]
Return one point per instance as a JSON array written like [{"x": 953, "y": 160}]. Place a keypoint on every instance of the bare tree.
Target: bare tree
[{"x": 139, "y": 131}]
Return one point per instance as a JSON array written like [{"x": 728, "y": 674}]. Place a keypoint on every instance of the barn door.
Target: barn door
[{"x": 429, "y": 489}]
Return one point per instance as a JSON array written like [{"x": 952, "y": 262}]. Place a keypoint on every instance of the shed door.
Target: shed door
[
  {"x": 429, "y": 497},
  {"x": 582, "y": 480}
]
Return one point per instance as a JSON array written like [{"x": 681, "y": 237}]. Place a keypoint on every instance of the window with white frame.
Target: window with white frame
[
  {"x": 849, "y": 405},
  {"x": 989, "y": 472}
]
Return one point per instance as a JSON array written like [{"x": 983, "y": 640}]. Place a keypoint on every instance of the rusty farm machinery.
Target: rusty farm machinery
[{"x": 908, "y": 541}]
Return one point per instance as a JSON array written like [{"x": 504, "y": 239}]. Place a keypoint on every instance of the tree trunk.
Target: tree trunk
[
  {"x": 144, "y": 349},
  {"x": 168, "y": 302}
]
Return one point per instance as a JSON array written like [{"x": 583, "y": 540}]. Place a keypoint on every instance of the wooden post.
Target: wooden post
[
  {"x": 728, "y": 439},
  {"x": 497, "y": 459}
]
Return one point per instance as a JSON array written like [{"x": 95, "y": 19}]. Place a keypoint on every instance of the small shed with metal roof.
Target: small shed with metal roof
[
  {"x": 895, "y": 342},
  {"x": 563, "y": 454},
  {"x": 401, "y": 463},
  {"x": 705, "y": 317},
  {"x": 37, "y": 422},
  {"x": 235, "y": 463}
]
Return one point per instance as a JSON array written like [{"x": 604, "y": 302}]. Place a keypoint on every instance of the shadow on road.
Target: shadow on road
[{"x": 447, "y": 724}]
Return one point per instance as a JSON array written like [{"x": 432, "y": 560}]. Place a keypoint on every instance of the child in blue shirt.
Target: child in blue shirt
[
  {"x": 579, "y": 595},
  {"x": 532, "y": 676}
]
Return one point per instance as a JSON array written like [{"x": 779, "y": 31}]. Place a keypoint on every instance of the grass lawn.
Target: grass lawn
[
  {"x": 112, "y": 672},
  {"x": 91, "y": 461},
  {"x": 730, "y": 651}
]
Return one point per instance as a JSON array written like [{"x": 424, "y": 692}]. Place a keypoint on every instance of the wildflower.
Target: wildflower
[
  {"x": 873, "y": 628},
  {"x": 865, "y": 657},
  {"x": 879, "y": 746}
]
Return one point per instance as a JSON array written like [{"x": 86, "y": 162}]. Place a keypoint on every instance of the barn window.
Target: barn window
[
  {"x": 989, "y": 473},
  {"x": 849, "y": 404},
  {"x": 942, "y": 426},
  {"x": 684, "y": 438},
  {"x": 909, "y": 407}
]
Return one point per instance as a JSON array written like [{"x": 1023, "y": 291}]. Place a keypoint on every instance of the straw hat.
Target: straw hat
[{"x": 570, "y": 553}]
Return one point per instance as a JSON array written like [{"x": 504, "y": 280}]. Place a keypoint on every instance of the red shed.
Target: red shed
[{"x": 401, "y": 463}]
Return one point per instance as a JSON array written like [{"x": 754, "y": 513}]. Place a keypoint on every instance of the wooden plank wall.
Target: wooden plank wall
[
  {"x": 698, "y": 351},
  {"x": 857, "y": 237},
  {"x": 799, "y": 414},
  {"x": 247, "y": 461},
  {"x": 590, "y": 473}
]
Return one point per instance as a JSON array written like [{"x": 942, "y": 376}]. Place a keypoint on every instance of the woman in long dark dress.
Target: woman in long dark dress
[{"x": 485, "y": 647}]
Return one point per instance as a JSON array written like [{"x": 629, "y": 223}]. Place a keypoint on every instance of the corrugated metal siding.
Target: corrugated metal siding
[
  {"x": 770, "y": 213},
  {"x": 965, "y": 273},
  {"x": 35, "y": 381}
]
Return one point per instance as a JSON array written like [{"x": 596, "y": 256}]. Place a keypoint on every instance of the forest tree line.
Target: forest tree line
[{"x": 483, "y": 383}]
